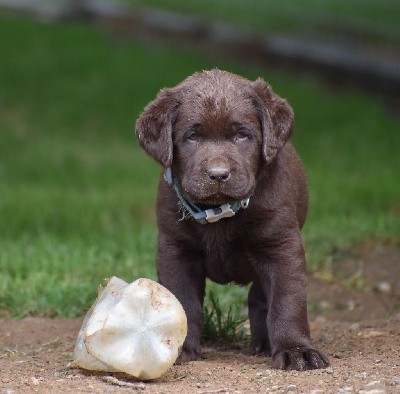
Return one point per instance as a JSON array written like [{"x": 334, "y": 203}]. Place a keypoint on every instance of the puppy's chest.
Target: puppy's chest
[{"x": 226, "y": 259}]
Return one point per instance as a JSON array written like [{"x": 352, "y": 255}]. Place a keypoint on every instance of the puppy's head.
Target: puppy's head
[{"x": 215, "y": 129}]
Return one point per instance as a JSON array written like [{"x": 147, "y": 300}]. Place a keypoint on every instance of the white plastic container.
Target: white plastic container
[{"x": 136, "y": 328}]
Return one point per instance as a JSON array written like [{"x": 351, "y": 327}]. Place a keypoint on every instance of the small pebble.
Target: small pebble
[
  {"x": 35, "y": 381},
  {"x": 383, "y": 287},
  {"x": 373, "y": 383},
  {"x": 345, "y": 389},
  {"x": 325, "y": 304},
  {"x": 351, "y": 305}
]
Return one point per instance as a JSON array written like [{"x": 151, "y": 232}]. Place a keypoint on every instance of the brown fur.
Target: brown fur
[{"x": 225, "y": 139}]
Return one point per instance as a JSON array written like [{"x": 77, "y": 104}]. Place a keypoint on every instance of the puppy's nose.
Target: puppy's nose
[{"x": 219, "y": 174}]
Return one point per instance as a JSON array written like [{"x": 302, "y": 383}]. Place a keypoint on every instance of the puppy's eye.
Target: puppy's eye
[
  {"x": 192, "y": 133},
  {"x": 192, "y": 136},
  {"x": 242, "y": 135}
]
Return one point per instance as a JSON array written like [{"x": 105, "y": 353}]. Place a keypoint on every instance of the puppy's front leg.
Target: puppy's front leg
[
  {"x": 285, "y": 283},
  {"x": 183, "y": 274}
]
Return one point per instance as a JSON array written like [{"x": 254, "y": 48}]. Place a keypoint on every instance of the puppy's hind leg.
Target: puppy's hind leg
[{"x": 258, "y": 311}]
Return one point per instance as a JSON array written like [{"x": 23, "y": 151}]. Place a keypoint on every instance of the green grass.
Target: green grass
[
  {"x": 223, "y": 325},
  {"x": 77, "y": 195},
  {"x": 343, "y": 19}
]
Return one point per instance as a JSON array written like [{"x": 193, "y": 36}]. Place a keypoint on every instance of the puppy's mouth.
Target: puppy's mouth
[
  {"x": 205, "y": 193},
  {"x": 213, "y": 200}
]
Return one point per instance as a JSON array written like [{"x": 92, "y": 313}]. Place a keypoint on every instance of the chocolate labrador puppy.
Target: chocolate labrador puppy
[{"x": 231, "y": 203}]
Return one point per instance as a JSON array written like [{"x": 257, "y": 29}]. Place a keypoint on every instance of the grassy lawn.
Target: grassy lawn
[
  {"x": 77, "y": 195},
  {"x": 365, "y": 19}
]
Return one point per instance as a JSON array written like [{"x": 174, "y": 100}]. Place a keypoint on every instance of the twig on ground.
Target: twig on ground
[{"x": 123, "y": 383}]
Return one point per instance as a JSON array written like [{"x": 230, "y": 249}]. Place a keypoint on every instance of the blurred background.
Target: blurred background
[{"x": 77, "y": 194}]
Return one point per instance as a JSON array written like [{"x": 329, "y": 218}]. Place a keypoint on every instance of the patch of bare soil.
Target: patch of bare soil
[{"x": 358, "y": 329}]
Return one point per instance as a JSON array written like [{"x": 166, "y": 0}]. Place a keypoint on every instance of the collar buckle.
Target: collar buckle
[{"x": 215, "y": 214}]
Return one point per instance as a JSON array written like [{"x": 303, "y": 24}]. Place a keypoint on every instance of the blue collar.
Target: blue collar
[{"x": 211, "y": 215}]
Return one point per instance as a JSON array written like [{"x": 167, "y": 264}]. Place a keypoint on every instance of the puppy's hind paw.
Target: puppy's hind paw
[
  {"x": 187, "y": 355},
  {"x": 260, "y": 347},
  {"x": 300, "y": 359}
]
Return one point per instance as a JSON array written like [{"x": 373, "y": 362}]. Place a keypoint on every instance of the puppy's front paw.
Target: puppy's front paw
[{"x": 300, "y": 359}]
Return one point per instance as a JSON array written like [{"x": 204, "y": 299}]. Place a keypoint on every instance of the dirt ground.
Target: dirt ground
[{"x": 358, "y": 329}]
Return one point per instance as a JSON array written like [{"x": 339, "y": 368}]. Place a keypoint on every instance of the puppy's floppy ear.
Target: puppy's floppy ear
[
  {"x": 276, "y": 117},
  {"x": 154, "y": 127}
]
